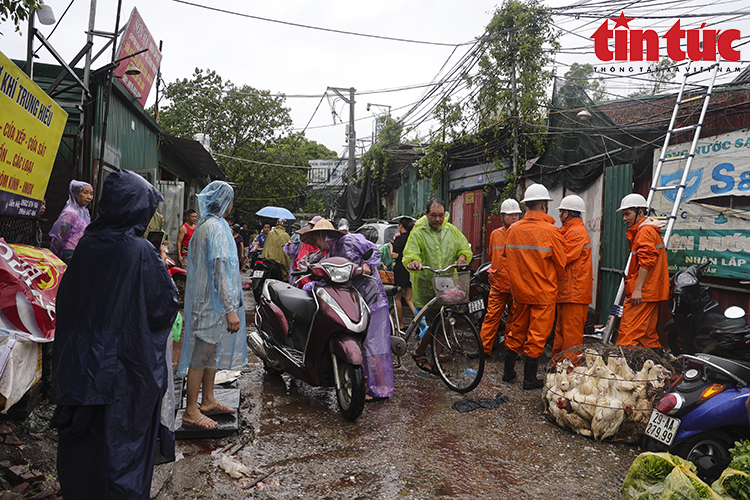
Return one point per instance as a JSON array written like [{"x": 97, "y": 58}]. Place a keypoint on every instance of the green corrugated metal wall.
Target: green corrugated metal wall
[
  {"x": 135, "y": 145},
  {"x": 618, "y": 181},
  {"x": 414, "y": 193}
]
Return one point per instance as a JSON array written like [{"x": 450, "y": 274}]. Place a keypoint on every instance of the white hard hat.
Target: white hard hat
[
  {"x": 633, "y": 200},
  {"x": 510, "y": 206},
  {"x": 536, "y": 192},
  {"x": 573, "y": 203}
]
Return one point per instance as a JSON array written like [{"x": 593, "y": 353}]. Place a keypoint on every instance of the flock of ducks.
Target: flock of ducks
[{"x": 603, "y": 400}]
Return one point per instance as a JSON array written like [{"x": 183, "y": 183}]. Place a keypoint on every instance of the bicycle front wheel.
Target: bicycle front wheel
[{"x": 455, "y": 343}]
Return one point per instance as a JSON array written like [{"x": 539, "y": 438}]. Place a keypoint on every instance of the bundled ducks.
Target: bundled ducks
[{"x": 603, "y": 399}]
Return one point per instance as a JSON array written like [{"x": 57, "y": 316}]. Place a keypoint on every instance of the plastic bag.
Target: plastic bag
[
  {"x": 177, "y": 327},
  {"x": 732, "y": 483},
  {"x": 663, "y": 476}
]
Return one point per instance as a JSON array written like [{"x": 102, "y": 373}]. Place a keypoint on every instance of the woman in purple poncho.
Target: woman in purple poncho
[
  {"x": 378, "y": 365},
  {"x": 71, "y": 224}
]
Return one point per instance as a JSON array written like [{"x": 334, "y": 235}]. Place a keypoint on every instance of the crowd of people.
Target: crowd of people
[{"x": 112, "y": 360}]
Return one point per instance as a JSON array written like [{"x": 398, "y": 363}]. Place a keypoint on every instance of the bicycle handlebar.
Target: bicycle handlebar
[{"x": 438, "y": 271}]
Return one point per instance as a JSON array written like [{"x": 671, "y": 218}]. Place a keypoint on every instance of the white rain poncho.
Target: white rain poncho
[{"x": 213, "y": 289}]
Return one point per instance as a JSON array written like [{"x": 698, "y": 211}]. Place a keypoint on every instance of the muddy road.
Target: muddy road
[{"x": 412, "y": 446}]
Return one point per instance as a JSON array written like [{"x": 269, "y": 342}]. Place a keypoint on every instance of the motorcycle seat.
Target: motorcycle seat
[
  {"x": 739, "y": 368},
  {"x": 297, "y": 304},
  {"x": 391, "y": 290}
]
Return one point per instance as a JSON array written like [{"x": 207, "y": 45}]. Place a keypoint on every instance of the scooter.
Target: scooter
[
  {"x": 316, "y": 337},
  {"x": 698, "y": 324},
  {"x": 703, "y": 413},
  {"x": 479, "y": 292},
  {"x": 179, "y": 278}
]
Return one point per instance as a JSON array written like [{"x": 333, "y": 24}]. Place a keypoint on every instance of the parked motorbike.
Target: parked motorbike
[
  {"x": 703, "y": 413},
  {"x": 699, "y": 325},
  {"x": 316, "y": 337},
  {"x": 479, "y": 291},
  {"x": 263, "y": 269},
  {"x": 179, "y": 278}
]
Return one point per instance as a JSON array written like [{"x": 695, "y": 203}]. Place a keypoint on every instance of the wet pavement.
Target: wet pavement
[{"x": 412, "y": 446}]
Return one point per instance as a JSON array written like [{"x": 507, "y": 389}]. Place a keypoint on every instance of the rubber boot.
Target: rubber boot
[
  {"x": 529, "y": 374},
  {"x": 509, "y": 370}
]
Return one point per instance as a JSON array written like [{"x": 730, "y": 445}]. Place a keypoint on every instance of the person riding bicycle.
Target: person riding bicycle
[{"x": 436, "y": 243}]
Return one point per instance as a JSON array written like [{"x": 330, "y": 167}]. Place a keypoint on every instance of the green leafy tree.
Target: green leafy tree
[
  {"x": 509, "y": 89},
  {"x": 377, "y": 160},
  {"x": 658, "y": 77},
  {"x": 584, "y": 76},
  {"x": 17, "y": 11},
  {"x": 250, "y": 132}
]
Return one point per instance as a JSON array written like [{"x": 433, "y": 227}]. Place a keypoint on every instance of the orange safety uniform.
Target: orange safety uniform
[
  {"x": 647, "y": 251},
  {"x": 536, "y": 259},
  {"x": 499, "y": 296},
  {"x": 575, "y": 288}
]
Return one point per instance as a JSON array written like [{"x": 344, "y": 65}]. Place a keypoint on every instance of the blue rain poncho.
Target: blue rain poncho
[
  {"x": 213, "y": 289},
  {"x": 115, "y": 308}
]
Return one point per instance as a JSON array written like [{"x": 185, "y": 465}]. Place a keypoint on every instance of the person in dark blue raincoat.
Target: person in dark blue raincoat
[{"x": 115, "y": 308}]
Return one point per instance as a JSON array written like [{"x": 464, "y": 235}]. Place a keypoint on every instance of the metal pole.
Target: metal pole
[
  {"x": 514, "y": 108},
  {"x": 30, "y": 46},
  {"x": 85, "y": 118},
  {"x": 352, "y": 136},
  {"x": 107, "y": 95}
]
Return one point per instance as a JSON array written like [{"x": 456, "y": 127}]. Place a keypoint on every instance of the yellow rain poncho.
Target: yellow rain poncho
[{"x": 436, "y": 248}]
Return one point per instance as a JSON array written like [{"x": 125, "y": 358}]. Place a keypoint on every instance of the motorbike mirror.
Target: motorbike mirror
[
  {"x": 734, "y": 312},
  {"x": 367, "y": 254}
]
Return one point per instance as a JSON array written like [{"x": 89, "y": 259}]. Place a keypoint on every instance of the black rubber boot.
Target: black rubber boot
[
  {"x": 529, "y": 374},
  {"x": 509, "y": 370}
]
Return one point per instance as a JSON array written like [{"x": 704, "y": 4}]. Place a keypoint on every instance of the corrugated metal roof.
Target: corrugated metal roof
[{"x": 195, "y": 156}]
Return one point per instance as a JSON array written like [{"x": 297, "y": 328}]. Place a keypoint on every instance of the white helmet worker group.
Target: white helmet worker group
[{"x": 573, "y": 203}]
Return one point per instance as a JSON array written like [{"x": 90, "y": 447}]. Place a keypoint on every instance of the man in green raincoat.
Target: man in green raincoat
[{"x": 436, "y": 243}]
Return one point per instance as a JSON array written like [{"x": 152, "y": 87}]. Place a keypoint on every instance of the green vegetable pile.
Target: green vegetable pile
[{"x": 734, "y": 481}]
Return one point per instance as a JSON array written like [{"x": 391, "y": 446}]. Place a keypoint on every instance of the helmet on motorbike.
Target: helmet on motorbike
[
  {"x": 573, "y": 203},
  {"x": 536, "y": 192},
  {"x": 510, "y": 206},
  {"x": 633, "y": 200}
]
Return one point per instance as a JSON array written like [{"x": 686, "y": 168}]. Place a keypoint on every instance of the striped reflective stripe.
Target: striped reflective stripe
[
  {"x": 660, "y": 246},
  {"x": 529, "y": 247},
  {"x": 587, "y": 246},
  {"x": 497, "y": 248},
  {"x": 633, "y": 253}
]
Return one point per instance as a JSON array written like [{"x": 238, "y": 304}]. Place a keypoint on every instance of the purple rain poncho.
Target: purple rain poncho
[
  {"x": 213, "y": 289},
  {"x": 71, "y": 224},
  {"x": 377, "y": 344}
]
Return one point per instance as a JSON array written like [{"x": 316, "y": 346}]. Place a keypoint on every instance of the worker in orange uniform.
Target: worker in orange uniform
[
  {"x": 575, "y": 289},
  {"x": 647, "y": 277},
  {"x": 500, "y": 296},
  {"x": 536, "y": 260}
]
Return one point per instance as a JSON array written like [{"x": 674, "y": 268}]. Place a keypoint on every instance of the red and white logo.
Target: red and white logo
[{"x": 631, "y": 44}]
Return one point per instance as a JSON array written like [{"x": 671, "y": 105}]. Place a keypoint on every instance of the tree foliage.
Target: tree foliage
[
  {"x": 17, "y": 11},
  {"x": 658, "y": 76},
  {"x": 250, "y": 133},
  {"x": 378, "y": 161},
  {"x": 519, "y": 41},
  {"x": 583, "y": 75}
]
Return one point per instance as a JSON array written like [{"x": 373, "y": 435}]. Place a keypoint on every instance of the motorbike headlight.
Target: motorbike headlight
[
  {"x": 339, "y": 273},
  {"x": 686, "y": 279}
]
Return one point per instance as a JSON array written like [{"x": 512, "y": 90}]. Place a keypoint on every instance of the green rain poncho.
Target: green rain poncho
[{"x": 436, "y": 249}]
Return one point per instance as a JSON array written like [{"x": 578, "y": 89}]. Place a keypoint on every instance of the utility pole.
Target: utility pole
[
  {"x": 514, "y": 107},
  {"x": 352, "y": 134}
]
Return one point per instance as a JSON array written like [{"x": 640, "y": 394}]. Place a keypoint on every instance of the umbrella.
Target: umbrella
[{"x": 275, "y": 213}]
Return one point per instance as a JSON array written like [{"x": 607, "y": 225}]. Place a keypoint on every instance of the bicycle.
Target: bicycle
[{"x": 453, "y": 333}]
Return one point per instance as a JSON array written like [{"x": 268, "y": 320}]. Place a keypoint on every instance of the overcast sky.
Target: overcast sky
[{"x": 299, "y": 61}]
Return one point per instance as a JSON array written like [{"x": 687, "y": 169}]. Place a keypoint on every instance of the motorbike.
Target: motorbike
[
  {"x": 316, "y": 337},
  {"x": 179, "y": 278},
  {"x": 263, "y": 269},
  {"x": 479, "y": 292},
  {"x": 698, "y": 324},
  {"x": 703, "y": 413}
]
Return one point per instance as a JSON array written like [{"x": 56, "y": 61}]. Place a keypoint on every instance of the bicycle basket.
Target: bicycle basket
[{"x": 452, "y": 288}]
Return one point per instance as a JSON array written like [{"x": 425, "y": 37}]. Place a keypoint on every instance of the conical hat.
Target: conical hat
[{"x": 323, "y": 226}]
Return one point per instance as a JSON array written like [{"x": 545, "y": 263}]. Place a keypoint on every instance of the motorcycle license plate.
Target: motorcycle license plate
[
  {"x": 662, "y": 428},
  {"x": 476, "y": 305},
  {"x": 258, "y": 274}
]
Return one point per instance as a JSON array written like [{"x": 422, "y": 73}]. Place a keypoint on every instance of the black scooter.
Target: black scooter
[
  {"x": 699, "y": 325},
  {"x": 264, "y": 269}
]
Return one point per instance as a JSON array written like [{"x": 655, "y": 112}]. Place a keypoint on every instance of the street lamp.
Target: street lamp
[
  {"x": 370, "y": 104},
  {"x": 45, "y": 13}
]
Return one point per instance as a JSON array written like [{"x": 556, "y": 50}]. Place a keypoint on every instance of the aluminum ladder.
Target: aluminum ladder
[{"x": 617, "y": 308}]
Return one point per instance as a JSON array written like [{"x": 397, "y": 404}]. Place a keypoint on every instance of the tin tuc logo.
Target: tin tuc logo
[{"x": 631, "y": 44}]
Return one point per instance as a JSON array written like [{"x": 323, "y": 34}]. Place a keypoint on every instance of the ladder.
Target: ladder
[{"x": 617, "y": 308}]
